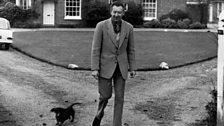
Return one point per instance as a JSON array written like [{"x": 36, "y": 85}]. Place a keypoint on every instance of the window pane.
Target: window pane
[
  {"x": 149, "y": 7},
  {"x": 73, "y": 6}
]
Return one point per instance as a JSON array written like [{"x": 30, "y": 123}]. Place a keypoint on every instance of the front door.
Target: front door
[{"x": 48, "y": 13}]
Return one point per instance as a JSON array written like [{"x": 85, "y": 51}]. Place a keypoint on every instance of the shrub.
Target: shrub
[
  {"x": 155, "y": 23},
  {"x": 27, "y": 24},
  {"x": 17, "y": 15},
  {"x": 30, "y": 14},
  {"x": 12, "y": 13},
  {"x": 100, "y": 11},
  {"x": 97, "y": 12},
  {"x": 197, "y": 25},
  {"x": 134, "y": 15},
  {"x": 187, "y": 21},
  {"x": 211, "y": 109},
  {"x": 175, "y": 14},
  {"x": 169, "y": 23},
  {"x": 183, "y": 24}
]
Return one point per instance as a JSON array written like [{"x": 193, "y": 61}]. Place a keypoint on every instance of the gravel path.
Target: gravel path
[{"x": 29, "y": 89}]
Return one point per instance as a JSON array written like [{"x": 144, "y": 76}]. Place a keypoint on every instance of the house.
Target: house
[{"x": 71, "y": 12}]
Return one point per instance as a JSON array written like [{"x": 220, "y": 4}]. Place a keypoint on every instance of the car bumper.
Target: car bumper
[{"x": 6, "y": 41}]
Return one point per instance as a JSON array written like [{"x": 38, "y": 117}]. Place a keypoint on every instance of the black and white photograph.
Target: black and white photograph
[{"x": 111, "y": 62}]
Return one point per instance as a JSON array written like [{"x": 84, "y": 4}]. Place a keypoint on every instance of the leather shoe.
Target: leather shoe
[{"x": 96, "y": 122}]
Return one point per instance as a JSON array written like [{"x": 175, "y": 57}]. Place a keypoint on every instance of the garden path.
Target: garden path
[{"x": 29, "y": 89}]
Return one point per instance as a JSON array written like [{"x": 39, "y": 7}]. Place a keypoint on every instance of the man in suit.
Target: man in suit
[{"x": 112, "y": 55}]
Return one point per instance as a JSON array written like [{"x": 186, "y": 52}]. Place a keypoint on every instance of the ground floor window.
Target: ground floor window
[
  {"x": 150, "y": 9},
  {"x": 25, "y": 4},
  {"x": 72, "y": 9}
]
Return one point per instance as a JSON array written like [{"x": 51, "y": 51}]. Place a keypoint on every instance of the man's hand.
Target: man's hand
[
  {"x": 132, "y": 74},
  {"x": 95, "y": 74}
]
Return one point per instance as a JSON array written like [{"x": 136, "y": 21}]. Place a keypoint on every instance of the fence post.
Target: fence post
[{"x": 220, "y": 119}]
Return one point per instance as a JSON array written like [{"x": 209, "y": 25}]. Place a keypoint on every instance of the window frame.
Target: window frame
[
  {"x": 79, "y": 17},
  {"x": 153, "y": 8}
]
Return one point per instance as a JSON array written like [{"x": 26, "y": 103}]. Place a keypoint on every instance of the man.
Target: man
[{"x": 113, "y": 53}]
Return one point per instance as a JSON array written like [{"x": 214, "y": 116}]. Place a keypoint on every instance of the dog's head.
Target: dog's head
[{"x": 55, "y": 110}]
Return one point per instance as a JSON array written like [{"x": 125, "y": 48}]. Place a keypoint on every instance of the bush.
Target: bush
[
  {"x": 197, "y": 25},
  {"x": 183, "y": 24},
  {"x": 13, "y": 14},
  {"x": 30, "y": 14},
  {"x": 155, "y": 23},
  {"x": 100, "y": 11},
  {"x": 97, "y": 12},
  {"x": 134, "y": 15},
  {"x": 169, "y": 23},
  {"x": 187, "y": 21},
  {"x": 17, "y": 15},
  {"x": 175, "y": 14},
  {"x": 211, "y": 109},
  {"x": 27, "y": 24}
]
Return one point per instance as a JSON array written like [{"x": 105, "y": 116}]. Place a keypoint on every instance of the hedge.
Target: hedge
[{"x": 17, "y": 15}]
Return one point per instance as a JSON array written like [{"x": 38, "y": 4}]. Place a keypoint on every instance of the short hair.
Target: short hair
[{"x": 117, "y": 3}]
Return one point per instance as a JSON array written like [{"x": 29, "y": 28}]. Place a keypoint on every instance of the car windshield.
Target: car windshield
[{"x": 4, "y": 24}]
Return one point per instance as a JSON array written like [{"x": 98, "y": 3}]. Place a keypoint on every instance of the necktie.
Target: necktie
[{"x": 117, "y": 28}]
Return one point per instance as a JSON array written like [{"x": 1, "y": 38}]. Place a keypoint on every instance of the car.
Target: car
[{"x": 6, "y": 34}]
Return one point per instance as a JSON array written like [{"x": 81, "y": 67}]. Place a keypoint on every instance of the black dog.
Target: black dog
[{"x": 62, "y": 114}]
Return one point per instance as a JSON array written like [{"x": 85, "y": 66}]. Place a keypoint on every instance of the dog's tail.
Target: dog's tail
[{"x": 76, "y": 103}]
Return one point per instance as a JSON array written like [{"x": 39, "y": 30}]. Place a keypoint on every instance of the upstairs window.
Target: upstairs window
[
  {"x": 72, "y": 9},
  {"x": 150, "y": 9}
]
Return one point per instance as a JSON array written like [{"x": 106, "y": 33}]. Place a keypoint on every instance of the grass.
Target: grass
[{"x": 74, "y": 47}]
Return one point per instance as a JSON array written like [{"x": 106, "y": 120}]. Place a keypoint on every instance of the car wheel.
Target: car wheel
[{"x": 7, "y": 46}]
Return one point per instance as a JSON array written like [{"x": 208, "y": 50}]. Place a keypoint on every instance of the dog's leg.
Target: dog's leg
[
  {"x": 59, "y": 124},
  {"x": 72, "y": 117}
]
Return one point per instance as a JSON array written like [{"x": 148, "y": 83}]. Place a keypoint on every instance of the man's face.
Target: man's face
[{"x": 117, "y": 13}]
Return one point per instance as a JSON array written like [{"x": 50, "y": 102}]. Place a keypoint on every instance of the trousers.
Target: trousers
[{"x": 105, "y": 87}]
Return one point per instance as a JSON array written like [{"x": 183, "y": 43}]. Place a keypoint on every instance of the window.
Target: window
[
  {"x": 25, "y": 4},
  {"x": 220, "y": 7},
  {"x": 72, "y": 9},
  {"x": 150, "y": 9}
]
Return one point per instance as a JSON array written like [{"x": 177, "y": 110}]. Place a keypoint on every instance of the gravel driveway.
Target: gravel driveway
[{"x": 29, "y": 89}]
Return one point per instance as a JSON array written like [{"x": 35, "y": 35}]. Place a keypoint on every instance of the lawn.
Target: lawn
[{"x": 152, "y": 47}]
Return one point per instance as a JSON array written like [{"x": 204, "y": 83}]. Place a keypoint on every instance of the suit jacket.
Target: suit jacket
[{"x": 106, "y": 53}]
